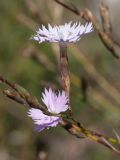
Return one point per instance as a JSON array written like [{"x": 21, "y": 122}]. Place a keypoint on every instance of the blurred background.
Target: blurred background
[{"x": 95, "y": 81}]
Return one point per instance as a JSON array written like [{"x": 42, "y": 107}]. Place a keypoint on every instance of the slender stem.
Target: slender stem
[{"x": 64, "y": 69}]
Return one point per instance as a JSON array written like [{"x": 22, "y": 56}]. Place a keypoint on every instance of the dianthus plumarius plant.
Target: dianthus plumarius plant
[
  {"x": 63, "y": 34},
  {"x": 56, "y": 108}
]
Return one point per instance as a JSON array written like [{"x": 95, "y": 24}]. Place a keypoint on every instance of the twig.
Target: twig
[
  {"x": 76, "y": 129},
  {"x": 14, "y": 96},
  {"x": 104, "y": 11},
  {"x": 71, "y": 8},
  {"x": 116, "y": 134},
  {"x": 12, "y": 85}
]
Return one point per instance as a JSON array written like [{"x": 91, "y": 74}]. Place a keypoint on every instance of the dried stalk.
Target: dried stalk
[
  {"x": 14, "y": 96},
  {"x": 105, "y": 17}
]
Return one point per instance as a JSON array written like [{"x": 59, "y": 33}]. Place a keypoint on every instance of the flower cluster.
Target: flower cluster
[
  {"x": 55, "y": 103},
  {"x": 64, "y": 33}
]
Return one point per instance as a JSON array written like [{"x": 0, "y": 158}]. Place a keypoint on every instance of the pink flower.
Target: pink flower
[
  {"x": 55, "y": 104},
  {"x": 65, "y": 33}
]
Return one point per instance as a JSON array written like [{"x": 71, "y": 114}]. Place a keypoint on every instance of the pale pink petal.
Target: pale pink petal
[
  {"x": 55, "y": 103},
  {"x": 42, "y": 120}
]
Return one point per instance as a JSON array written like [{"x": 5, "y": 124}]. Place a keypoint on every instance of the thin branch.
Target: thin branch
[
  {"x": 14, "y": 96},
  {"x": 77, "y": 129},
  {"x": 105, "y": 16},
  {"x": 69, "y": 7},
  {"x": 12, "y": 85},
  {"x": 116, "y": 134}
]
